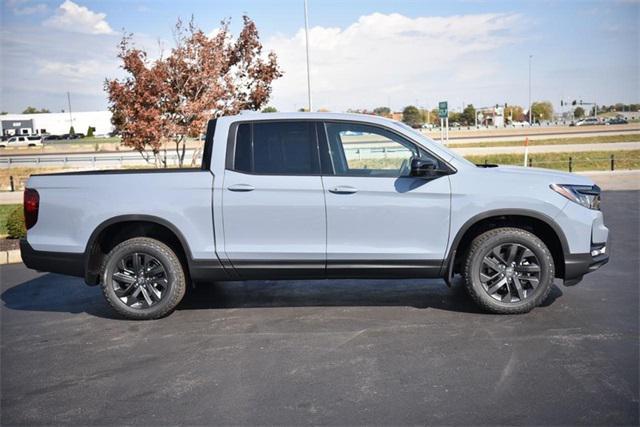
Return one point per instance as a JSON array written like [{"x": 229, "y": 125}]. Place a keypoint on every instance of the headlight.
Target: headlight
[{"x": 585, "y": 195}]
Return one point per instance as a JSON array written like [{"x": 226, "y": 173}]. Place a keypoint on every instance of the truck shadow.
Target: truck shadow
[
  {"x": 56, "y": 293},
  {"x": 416, "y": 293}
]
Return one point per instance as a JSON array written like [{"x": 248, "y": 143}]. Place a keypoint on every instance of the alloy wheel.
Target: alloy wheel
[
  {"x": 140, "y": 280},
  {"x": 510, "y": 272}
]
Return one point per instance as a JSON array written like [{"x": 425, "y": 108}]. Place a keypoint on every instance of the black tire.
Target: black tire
[
  {"x": 164, "y": 258},
  {"x": 519, "y": 300}
]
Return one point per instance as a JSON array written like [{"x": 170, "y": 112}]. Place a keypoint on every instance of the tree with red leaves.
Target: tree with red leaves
[{"x": 172, "y": 98}]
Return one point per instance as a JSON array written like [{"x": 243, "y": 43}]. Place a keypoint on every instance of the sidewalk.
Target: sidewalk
[
  {"x": 616, "y": 180},
  {"x": 10, "y": 197}
]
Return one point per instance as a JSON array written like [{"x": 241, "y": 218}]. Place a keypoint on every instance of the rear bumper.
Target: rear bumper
[
  {"x": 71, "y": 264},
  {"x": 577, "y": 265}
]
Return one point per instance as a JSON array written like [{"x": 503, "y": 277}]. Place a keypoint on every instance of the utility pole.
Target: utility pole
[
  {"x": 530, "y": 115},
  {"x": 69, "y": 104},
  {"x": 306, "y": 36}
]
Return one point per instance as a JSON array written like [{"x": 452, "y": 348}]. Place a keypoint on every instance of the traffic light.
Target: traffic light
[{"x": 561, "y": 103}]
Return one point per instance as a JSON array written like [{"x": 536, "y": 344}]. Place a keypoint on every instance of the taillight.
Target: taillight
[{"x": 31, "y": 205}]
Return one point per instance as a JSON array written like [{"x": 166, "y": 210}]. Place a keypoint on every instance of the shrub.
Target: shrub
[
  {"x": 90, "y": 131},
  {"x": 15, "y": 224}
]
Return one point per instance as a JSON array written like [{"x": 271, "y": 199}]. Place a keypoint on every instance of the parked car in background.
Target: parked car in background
[
  {"x": 589, "y": 121},
  {"x": 316, "y": 196},
  {"x": 22, "y": 141},
  {"x": 616, "y": 121},
  {"x": 50, "y": 138}
]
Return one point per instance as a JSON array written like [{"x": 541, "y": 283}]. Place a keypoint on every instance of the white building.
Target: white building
[{"x": 56, "y": 123}]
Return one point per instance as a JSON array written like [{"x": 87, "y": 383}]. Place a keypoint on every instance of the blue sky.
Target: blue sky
[{"x": 363, "y": 53}]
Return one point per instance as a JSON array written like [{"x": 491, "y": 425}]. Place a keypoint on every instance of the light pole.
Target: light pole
[
  {"x": 530, "y": 123},
  {"x": 70, "y": 116},
  {"x": 306, "y": 36}
]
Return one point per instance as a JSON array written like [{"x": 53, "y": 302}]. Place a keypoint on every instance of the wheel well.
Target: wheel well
[
  {"x": 539, "y": 228},
  {"x": 114, "y": 234}
]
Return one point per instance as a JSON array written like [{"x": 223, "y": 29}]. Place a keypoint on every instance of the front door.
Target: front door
[
  {"x": 380, "y": 220},
  {"x": 273, "y": 202}
]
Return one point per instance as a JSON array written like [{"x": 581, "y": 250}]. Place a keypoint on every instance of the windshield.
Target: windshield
[{"x": 419, "y": 135}]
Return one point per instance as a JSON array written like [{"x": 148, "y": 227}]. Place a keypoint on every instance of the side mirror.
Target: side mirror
[{"x": 424, "y": 167}]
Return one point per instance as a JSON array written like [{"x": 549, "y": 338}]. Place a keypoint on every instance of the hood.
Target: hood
[{"x": 551, "y": 176}]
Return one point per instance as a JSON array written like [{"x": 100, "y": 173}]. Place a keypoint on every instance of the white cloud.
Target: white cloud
[
  {"x": 390, "y": 57},
  {"x": 72, "y": 17}
]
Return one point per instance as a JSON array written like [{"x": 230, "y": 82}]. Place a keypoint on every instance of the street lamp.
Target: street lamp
[
  {"x": 530, "y": 117},
  {"x": 306, "y": 36}
]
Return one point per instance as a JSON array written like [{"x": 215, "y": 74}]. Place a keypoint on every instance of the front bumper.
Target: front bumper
[
  {"x": 71, "y": 264},
  {"x": 577, "y": 265}
]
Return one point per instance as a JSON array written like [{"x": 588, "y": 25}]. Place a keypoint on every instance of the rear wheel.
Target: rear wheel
[
  {"x": 508, "y": 271},
  {"x": 142, "y": 278}
]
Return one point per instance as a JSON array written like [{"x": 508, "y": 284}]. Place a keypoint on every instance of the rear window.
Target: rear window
[{"x": 276, "y": 148}]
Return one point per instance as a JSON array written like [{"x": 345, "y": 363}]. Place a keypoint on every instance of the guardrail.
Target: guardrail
[{"x": 40, "y": 161}]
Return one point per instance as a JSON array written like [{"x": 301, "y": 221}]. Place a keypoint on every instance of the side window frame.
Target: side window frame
[
  {"x": 326, "y": 151},
  {"x": 231, "y": 147}
]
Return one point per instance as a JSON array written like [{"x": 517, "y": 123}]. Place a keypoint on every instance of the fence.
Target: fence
[{"x": 570, "y": 164}]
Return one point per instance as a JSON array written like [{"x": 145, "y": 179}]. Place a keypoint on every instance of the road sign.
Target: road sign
[{"x": 443, "y": 109}]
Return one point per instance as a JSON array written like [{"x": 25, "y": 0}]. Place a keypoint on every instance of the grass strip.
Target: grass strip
[
  {"x": 633, "y": 137},
  {"x": 580, "y": 161}
]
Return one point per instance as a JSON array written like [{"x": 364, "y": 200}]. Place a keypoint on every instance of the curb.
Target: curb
[{"x": 10, "y": 257}]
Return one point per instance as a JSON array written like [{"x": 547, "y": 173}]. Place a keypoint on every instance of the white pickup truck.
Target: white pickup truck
[
  {"x": 22, "y": 141},
  {"x": 315, "y": 195}
]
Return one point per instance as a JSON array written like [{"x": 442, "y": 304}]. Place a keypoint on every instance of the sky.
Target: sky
[{"x": 363, "y": 54}]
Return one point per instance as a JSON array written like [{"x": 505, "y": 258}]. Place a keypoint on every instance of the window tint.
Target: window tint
[
  {"x": 276, "y": 148},
  {"x": 362, "y": 150}
]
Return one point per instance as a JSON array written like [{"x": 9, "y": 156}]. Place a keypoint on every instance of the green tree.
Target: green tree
[
  {"x": 32, "y": 110},
  {"x": 90, "y": 131},
  {"x": 411, "y": 116},
  {"x": 542, "y": 110},
  {"x": 468, "y": 116},
  {"x": 455, "y": 117},
  {"x": 382, "y": 111},
  {"x": 514, "y": 113},
  {"x": 269, "y": 109},
  {"x": 72, "y": 131},
  {"x": 578, "y": 112},
  {"x": 433, "y": 117}
]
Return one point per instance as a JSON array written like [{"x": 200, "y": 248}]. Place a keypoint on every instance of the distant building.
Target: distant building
[{"x": 56, "y": 123}]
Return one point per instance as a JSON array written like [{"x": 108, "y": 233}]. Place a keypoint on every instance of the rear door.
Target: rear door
[
  {"x": 381, "y": 220},
  {"x": 273, "y": 200}
]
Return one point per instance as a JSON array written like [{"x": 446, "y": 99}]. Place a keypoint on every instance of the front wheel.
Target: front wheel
[
  {"x": 508, "y": 271},
  {"x": 142, "y": 279}
]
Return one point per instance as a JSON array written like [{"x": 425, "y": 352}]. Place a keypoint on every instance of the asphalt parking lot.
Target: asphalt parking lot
[{"x": 328, "y": 352}]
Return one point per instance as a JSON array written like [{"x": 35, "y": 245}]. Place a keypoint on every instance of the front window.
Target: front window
[{"x": 362, "y": 150}]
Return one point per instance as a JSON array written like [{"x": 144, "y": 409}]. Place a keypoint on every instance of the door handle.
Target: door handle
[
  {"x": 343, "y": 189},
  {"x": 241, "y": 187}
]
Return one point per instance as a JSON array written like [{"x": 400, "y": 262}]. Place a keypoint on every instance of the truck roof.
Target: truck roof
[{"x": 256, "y": 115}]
